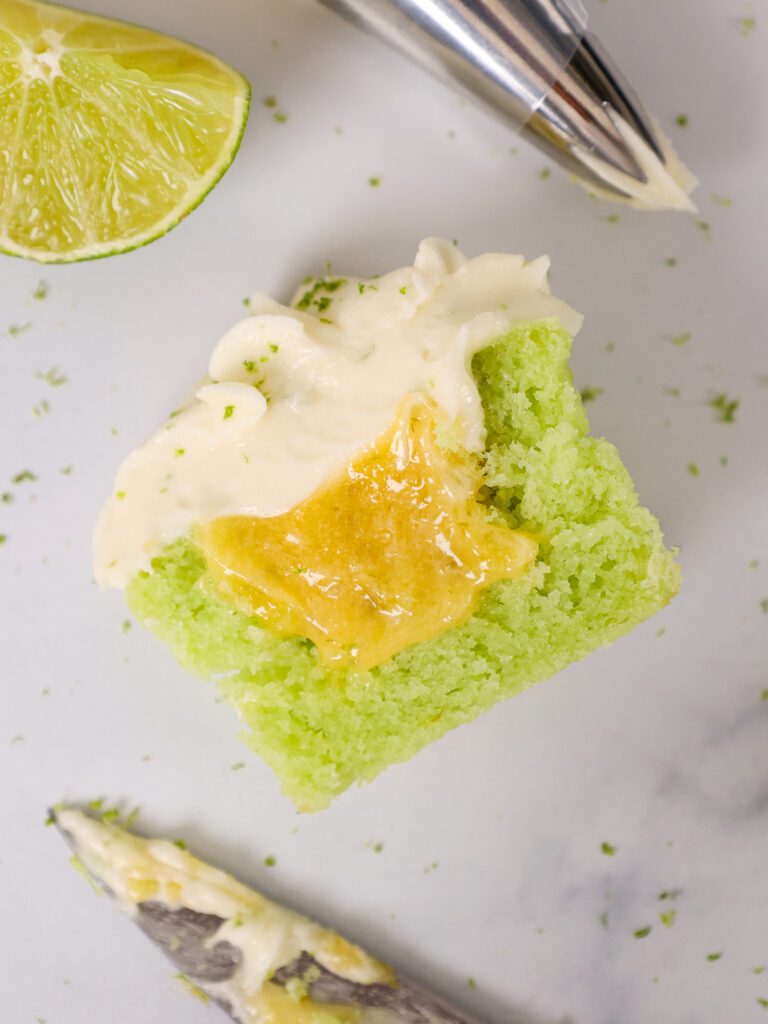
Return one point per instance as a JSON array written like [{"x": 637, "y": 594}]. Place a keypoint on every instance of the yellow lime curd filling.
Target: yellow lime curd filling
[
  {"x": 274, "y": 1005},
  {"x": 394, "y": 550}
]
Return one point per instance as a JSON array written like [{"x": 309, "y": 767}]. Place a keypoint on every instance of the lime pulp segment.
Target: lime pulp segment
[{"x": 109, "y": 133}]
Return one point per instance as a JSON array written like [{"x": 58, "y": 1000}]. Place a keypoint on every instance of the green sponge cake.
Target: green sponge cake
[{"x": 382, "y": 514}]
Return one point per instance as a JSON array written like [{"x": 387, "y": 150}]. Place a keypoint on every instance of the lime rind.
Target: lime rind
[{"x": 110, "y": 134}]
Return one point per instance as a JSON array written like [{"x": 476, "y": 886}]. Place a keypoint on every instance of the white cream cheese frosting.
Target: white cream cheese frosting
[
  {"x": 667, "y": 184},
  {"x": 294, "y": 392}
]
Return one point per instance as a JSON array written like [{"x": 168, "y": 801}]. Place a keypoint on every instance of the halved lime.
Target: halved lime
[{"x": 109, "y": 133}]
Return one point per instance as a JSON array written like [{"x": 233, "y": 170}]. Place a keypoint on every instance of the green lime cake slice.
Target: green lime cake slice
[{"x": 381, "y": 513}]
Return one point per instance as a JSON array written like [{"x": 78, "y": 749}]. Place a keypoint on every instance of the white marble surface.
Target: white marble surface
[{"x": 658, "y": 746}]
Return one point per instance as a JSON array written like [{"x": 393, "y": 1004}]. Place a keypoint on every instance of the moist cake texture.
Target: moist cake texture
[{"x": 601, "y": 569}]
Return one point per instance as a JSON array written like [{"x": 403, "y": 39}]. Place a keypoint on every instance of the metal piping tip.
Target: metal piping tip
[
  {"x": 578, "y": 114},
  {"x": 594, "y": 125},
  {"x": 531, "y": 64},
  {"x": 592, "y": 64},
  {"x": 570, "y": 121}
]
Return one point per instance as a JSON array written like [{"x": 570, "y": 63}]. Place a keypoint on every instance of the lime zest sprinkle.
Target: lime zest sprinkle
[
  {"x": 81, "y": 869},
  {"x": 725, "y": 408},
  {"x": 590, "y": 394},
  {"x": 192, "y": 988},
  {"x": 322, "y": 303},
  {"x": 131, "y": 817},
  {"x": 51, "y": 816},
  {"x": 16, "y": 329},
  {"x": 608, "y": 849},
  {"x": 21, "y": 477},
  {"x": 642, "y": 932},
  {"x": 228, "y": 410},
  {"x": 52, "y": 377},
  {"x": 41, "y": 292}
]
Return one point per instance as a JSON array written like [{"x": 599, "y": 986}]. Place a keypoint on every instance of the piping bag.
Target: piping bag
[{"x": 534, "y": 65}]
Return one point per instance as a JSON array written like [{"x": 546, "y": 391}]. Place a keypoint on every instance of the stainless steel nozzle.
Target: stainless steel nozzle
[{"x": 530, "y": 63}]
